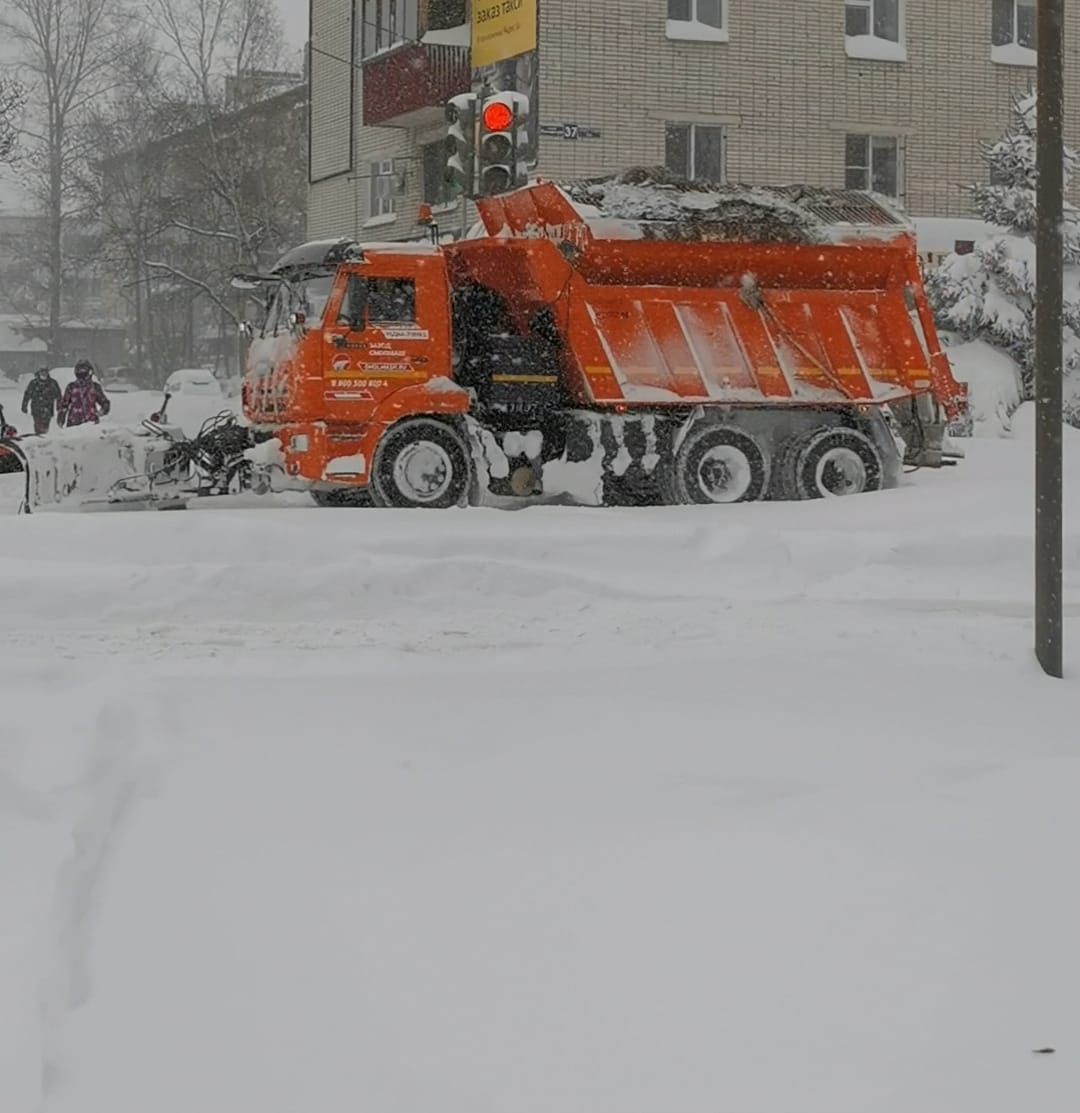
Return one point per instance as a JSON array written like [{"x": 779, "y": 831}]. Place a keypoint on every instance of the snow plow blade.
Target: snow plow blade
[{"x": 73, "y": 467}]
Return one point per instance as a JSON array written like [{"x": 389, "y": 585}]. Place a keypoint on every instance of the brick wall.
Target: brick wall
[{"x": 782, "y": 86}]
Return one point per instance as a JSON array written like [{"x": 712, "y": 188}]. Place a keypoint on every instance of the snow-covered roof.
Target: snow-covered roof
[{"x": 14, "y": 339}]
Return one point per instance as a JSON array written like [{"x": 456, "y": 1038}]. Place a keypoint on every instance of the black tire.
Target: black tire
[
  {"x": 421, "y": 463},
  {"x": 784, "y": 487},
  {"x": 348, "y": 497},
  {"x": 717, "y": 464},
  {"x": 837, "y": 462}
]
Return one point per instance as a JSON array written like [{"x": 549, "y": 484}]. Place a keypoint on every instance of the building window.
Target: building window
[
  {"x": 696, "y": 151},
  {"x": 436, "y": 188},
  {"x": 697, "y": 20},
  {"x": 383, "y": 188},
  {"x": 873, "y": 162},
  {"x": 1013, "y": 32},
  {"x": 874, "y": 29},
  {"x": 388, "y": 23},
  {"x": 444, "y": 14}
]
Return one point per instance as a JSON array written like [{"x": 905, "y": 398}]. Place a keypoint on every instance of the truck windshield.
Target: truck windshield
[
  {"x": 277, "y": 311},
  {"x": 313, "y": 294},
  {"x": 307, "y": 294}
]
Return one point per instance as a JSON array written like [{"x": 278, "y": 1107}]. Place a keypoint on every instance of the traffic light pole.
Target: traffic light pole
[
  {"x": 1048, "y": 343},
  {"x": 478, "y": 89}
]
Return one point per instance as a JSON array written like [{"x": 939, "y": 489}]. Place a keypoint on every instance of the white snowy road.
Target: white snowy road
[{"x": 560, "y": 810}]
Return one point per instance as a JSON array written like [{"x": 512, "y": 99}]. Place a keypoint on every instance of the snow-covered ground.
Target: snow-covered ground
[{"x": 764, "y": 808}]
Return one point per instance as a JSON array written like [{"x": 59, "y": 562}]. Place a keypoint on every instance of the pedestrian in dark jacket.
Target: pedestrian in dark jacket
[
  {"x": 84, "y": 399},
  {"x": 42, "y": 399}
]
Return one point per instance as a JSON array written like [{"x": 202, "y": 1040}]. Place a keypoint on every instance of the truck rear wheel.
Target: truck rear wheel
[
  {"x": 835, "y": 462},
  {"x": 420, "y": 463},
  {"x": 718, "y": 464}
]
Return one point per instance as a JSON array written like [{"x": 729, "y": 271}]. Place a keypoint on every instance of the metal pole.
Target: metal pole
[
  {"x": 1048, "y": 324},
  {"x": 479, "y": 89}
]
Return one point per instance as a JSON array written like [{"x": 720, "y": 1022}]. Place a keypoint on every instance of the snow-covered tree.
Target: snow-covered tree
[
  {"x": 985, "y": 301},
  {"x": 12, "y": 98}
]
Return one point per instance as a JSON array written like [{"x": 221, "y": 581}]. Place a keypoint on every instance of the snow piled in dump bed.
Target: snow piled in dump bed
[
  {"x": 760, "y": 808},
  {"x": 670, "y": 207},
  {"x": 662, "y": 205}
]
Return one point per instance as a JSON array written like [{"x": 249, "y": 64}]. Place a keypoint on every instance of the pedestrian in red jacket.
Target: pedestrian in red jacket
[{"x": 84, "y": 399}]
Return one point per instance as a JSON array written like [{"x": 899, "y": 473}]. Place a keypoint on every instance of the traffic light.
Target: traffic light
[
  {"x": 460, "y": 143},
  {"x": 503, "y": 139}
]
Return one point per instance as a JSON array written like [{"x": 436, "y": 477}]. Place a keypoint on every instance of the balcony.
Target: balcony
[{"x": 409, "y": 86}]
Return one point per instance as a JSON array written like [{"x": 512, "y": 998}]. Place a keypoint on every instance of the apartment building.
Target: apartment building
[{"x": 896, "y": 95}]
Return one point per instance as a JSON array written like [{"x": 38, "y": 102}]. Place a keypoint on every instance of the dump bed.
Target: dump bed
[{"x": 664, "y": 322}]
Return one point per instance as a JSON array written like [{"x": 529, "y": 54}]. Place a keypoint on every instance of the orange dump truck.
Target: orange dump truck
[{"x": 559, "y": 355}]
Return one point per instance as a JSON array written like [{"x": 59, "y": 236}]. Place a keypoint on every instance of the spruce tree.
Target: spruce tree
[{"x": 989, "y": 294}]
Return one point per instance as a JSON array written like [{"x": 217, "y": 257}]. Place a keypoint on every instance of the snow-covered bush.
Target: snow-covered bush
[{"x": 984, "y": 302}]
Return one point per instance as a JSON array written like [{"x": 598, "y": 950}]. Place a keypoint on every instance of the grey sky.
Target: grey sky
[{"x": 294, "y": 14}]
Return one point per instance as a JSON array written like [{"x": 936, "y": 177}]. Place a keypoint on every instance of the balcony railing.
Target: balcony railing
[{"x": 408, "y": 86}]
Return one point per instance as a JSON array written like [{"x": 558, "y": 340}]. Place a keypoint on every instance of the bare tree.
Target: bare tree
[
  {"x": 233, "y": 198},
  {"x": 215, "y": 45},
  {"x": 211, "y": 40},
  {"x": 12, "y": 99},
  {"x": 120, "y": 188},
  {"x": 70, "y": 52}
]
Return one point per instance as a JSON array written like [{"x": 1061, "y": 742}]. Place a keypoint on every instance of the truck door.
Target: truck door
[{"x": 379, "y": 341}]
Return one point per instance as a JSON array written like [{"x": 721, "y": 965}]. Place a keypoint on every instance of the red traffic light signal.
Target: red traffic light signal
[{"x": 497, "y": 116}]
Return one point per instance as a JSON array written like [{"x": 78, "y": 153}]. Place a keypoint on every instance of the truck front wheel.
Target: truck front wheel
[{"x": 420, "y": 463}]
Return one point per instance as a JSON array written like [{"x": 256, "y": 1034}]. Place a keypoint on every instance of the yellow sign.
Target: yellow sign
[{"x": 502, "y": 29}]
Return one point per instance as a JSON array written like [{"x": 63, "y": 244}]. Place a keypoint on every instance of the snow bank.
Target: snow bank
[
  {"x": 993, "y": 381},
  {"x": 1022, "y": 427}
]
